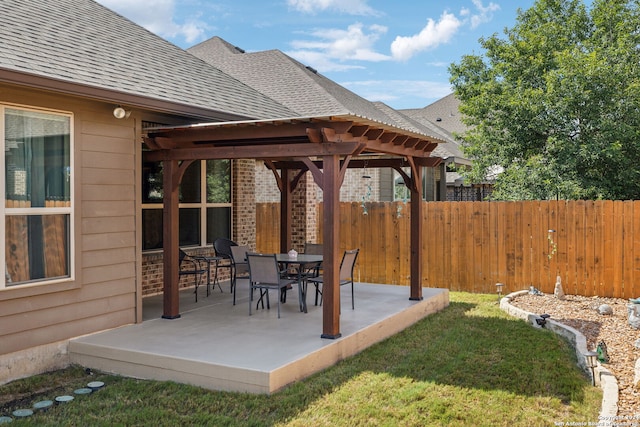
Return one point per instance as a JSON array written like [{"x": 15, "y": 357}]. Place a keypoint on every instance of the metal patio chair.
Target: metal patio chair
[
  {"x": 265, "y": 275},
  {"x": 190, "y": 266},
  {"x": 240, "y": 266},
  {"x": 346, "y": 275},
  {"x": 222, "y": 246}
]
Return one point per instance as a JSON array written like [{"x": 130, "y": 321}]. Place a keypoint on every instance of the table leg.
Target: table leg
[{"x": 302, "y": 294}]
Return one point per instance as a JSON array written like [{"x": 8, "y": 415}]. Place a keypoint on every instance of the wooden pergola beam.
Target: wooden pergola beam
[
  {"x": 359, "y": 163},
  {"x": 271, "y": 151}
]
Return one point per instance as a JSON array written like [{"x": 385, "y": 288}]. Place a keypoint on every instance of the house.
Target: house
[
  {"x": 74, "y": 213},
  {"x": 85, "y": 212},
  {"x": 445, "y": 114}
]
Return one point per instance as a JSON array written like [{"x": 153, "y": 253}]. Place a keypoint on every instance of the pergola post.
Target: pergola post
[
  {"x": 331, "y": 247},
  {"x": 416, "y": 233},
  {"x": 172, "y": 175},
  {"x": 170, "y": 239},
  {"x": 285, "y": 211}
]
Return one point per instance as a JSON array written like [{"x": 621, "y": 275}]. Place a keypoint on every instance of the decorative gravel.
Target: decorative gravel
[{"x": 581, "y": 313}]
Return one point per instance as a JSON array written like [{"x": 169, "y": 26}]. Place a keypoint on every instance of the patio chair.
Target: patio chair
[
  {"x": 265, "y": 275},
  {"x": 240, "y": 266},
  {"x": 190, "y": 266},
  {"x": 346, "y": 275},
  {"x": 222, "y": 246},
  {"x": 313, "y": 249}
]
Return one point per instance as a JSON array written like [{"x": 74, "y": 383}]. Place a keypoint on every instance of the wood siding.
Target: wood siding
[
  {"x": 103, "y": 294},
  {"x": 471, "y": 246}
]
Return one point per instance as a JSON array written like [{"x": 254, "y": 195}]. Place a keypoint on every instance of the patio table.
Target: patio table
[
  {"x": 304, "y": 262},
  {"x": 209, "y": 260}
]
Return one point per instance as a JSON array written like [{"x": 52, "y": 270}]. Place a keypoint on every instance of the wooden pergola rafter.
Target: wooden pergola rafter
[{"x": 325, "y": 146}]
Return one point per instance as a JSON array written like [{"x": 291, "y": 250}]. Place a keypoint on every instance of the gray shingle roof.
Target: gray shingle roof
[
  {"x": 443, "y": 112},
  {"x": 444, "y": 115},
  {"x": 296, "y": 86},
  {"x": 444, "y": 150},
  {"x": 82, "y": 42}
]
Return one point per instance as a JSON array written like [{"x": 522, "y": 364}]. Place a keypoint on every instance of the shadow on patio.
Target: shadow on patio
[{"x": 217, "y": 345}]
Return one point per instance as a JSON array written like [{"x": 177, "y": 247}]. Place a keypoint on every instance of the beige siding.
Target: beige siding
[{"x": 103, "y": 294}]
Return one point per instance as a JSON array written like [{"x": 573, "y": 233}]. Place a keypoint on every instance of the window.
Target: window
[
  {"x": 205, "y": 203},
  {"x": 403, "y": 193},
  {"x": 38, "y": 191}
]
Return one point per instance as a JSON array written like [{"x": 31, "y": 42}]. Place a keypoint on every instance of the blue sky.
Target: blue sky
[{"x": 391, "y": 51}]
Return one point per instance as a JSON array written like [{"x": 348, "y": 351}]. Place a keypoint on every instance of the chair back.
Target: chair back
[
  {"x": 239, "y": 254},
  {"x": 313, "y": 248},
  {"x": 223, "y": 247},
  {"x": 263, "y": 268},
  {"x": 181, "y": 255},
  {"x": 347, "y": 264}
]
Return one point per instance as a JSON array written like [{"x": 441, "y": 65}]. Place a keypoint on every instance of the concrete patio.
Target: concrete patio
[{"x": 218, "y": 346}]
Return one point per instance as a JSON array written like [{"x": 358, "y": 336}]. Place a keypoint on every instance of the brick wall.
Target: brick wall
[
  {"x": 243, "y": 228},
  {"x": 353, "y": 189},
  {"x": 152, "y": 274}
]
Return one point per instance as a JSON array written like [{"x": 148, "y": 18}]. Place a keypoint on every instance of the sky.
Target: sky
[{"x": 397, "y": 52}]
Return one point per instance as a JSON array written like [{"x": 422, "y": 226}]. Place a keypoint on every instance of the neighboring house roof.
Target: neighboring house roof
[
  {"x": 81, "y": 47},
  {"x": 296, "y": 86},
  {"x": 447, "y": 150},
  {"x": 444, "y": 113},
  {"x": 433, "y": 114}
]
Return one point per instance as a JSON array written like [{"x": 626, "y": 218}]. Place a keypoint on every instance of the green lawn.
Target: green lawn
[{"x": 468, "y": 365}]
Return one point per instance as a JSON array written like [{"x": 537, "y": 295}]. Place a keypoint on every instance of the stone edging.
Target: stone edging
[{"x": 603, "y": 376}]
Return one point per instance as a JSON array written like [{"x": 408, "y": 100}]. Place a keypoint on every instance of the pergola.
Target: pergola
[{"x": 325, "y": 146}]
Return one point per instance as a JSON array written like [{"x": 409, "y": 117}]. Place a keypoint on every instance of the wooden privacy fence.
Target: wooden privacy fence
[{"x": 594, "y": 246}]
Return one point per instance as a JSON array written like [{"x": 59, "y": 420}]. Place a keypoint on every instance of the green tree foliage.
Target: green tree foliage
[{"x": 555, "y": 103}]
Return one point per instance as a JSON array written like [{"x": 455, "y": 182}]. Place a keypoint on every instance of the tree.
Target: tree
[{"x": 556, "y": 102}]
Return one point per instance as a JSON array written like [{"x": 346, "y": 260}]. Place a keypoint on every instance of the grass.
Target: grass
[{"x": 468, "y": 365}]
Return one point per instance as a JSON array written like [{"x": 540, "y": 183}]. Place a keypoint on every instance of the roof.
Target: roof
[
  {"x": 444, "y": 113},
  {"x": 300, "y": 88},
  {"x": 82, "y": 46}
]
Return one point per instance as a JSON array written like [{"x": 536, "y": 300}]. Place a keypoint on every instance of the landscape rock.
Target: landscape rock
[
  {"x": 558, "y": 292},
  {"x": 634, "y": 316},
  {"x": 605, "y": 309}
]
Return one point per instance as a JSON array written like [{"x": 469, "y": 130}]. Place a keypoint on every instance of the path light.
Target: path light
[
  {"x": 591, "y": 359},
  {"x": 542, "y": 320},
  {"x": 499, "y": 287}
]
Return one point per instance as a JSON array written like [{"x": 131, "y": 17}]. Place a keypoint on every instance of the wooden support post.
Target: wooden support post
[
  {"x": 172, "y": 175},
  {"x": 285, "y": 211},
  {"x": 416, "y": 233},
  {"x": 331, "y": 246},
  {"x": 170, "y": 239}
]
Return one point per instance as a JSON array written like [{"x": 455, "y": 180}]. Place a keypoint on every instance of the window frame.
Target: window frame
[
  {"x": 203, "y": 206},
  {"x": 68, "y": 211}
]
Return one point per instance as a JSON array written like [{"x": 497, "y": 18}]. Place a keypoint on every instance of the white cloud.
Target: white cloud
[
  {"x": 431, "y": 36},
  {"x": 320, "y": 61},
  {"x": 332, "y": 47},
  {"x": 157, "y": 16},
  {"x": 485, "y": 13},
  {"x": 351, "y": 7},
  {"x": 421, "y": 92}
]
